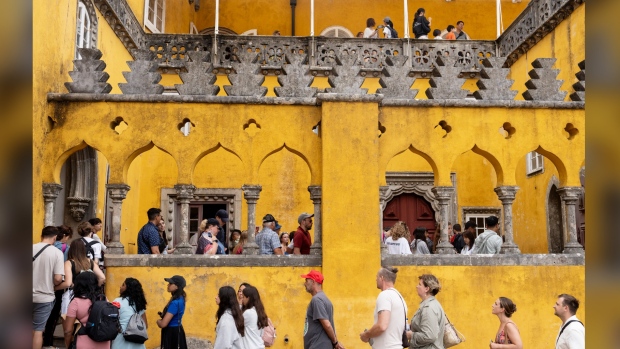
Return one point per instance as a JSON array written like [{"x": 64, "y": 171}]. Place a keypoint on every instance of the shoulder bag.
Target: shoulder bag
[
  {"x": 405, "y": 340},
  {"x": 451, "y": 336}
]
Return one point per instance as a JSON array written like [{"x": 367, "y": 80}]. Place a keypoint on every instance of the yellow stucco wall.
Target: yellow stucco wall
[
  {"x": 567, "y": 43},
  {"x": 467, "y": 295},
  {"x": 240, "y": 15}
]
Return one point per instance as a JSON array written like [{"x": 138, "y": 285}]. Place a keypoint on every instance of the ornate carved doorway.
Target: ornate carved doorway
[{"x": 411, "y": 209}]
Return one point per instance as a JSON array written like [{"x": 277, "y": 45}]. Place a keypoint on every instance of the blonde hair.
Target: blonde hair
[
  {"x": 430, "y": 281},
  {"x": 400, "y": 230},
  {"x": 203, "y": 225}
]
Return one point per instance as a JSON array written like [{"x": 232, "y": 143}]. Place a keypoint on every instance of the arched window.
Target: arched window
[
  {"x": 84, "y": 29},
  {"x": 336, "y": 31}
]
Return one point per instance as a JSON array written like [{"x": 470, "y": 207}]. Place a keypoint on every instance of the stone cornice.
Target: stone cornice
[
  {"x": 422, "y": 103},
  {"x": 173, "y": 260},
  {"x": 486, "y": 260},
  {"x": 539, "y": 18}
]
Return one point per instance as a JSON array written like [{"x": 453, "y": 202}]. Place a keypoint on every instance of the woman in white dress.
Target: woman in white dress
[{"x": 254, "y": 319}]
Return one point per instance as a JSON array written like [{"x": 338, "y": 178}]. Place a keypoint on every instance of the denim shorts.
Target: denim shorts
[{"x": 40, "y": 313}]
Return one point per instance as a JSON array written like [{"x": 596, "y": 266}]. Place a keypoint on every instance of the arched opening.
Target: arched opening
[
  {"x": 336, "y": 31},
  {"x": 220, "y": 31},
  {"x": 412, "y": 209},
  {"x": 554, "y": 220},
  {"x": 284, "y": 177}
]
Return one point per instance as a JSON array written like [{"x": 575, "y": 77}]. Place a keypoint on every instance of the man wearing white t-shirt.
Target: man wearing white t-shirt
[
  {"x": 390, "y": 314},
  {"x": 572, "y": 333}
]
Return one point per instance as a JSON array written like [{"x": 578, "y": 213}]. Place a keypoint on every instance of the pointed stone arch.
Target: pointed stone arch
[
  {"x": 499, "y": 172},
  {"x": 233, "y": 161},
  {"x": 140, "y": 151},
  {"x": 416, "y": 151},
  {"x": 557, "y": 162},
  {"x": 556, "y": 235},
  {"x": 292, "y": 150}
]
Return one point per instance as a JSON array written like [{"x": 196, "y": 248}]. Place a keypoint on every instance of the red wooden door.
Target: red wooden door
[{"x": 411, "y": 209}]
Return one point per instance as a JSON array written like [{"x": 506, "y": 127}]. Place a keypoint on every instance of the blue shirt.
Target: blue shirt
[
  {"x": 177, "y": 309},
  {"x": 267, "y": 240},
  {"x": 147, "y": 237}
]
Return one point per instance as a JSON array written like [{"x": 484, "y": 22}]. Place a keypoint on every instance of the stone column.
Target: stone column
[
  {"x": 185, "y": 193},
  {"x": 383, "y": 192},
  {"x": 118, "y": 193},
  {"x": 315, "y": 196},
  {"x": 443, "y": 196},
  {"x": 251, "y": 194},
  {"x": 506, "y": 195},
  {"x": 570, "y": 197},
  {"x": 50, "y": 193}
]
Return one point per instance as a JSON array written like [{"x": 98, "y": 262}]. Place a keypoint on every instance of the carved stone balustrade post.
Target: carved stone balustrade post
[
  {"x": 506, "y": 195},
  {"x": 185, "y": 193},
  {"x": 251, "y": 194},
  {"x": 50, "y": 193},
  {"x": 570, "y": 196},
  {"x": 444, "y": 195},
  {"x": 315, "y": 196},
  {"x": 383, "y": 192},
  {"x": 118, "y": 193}
]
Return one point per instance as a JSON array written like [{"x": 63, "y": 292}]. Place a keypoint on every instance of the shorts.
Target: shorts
[{"x": 40, "y": 313}]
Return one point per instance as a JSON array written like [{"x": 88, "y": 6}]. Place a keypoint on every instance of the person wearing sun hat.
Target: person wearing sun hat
[
  {"x": 319, "y": 328},
  {"x": 172, "y": 333}
]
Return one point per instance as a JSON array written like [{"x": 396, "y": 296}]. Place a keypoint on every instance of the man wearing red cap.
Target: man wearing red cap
[{"x": 319, "y": 329}]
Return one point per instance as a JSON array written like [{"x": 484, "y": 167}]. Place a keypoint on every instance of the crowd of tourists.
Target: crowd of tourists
[
  {"x": 212, "y": 238},
  {"x": 399, "y": 240},
  {"x": 421, "y": 28}
]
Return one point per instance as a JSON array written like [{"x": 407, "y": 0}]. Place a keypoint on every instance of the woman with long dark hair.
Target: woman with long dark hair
[
  {"x": 418, "y": 244},
  {"x": 132, "y": 301},
  {"x": 86, "y": 290},
  {"x": 172, "y": 333},
  {"x": 469, "y": 239},
  {"x": 230, "y": 325},
  {"x": 77, "y": 262},
  {"x": 421, "y": 25},
  {"x": 254, "y": 319}
]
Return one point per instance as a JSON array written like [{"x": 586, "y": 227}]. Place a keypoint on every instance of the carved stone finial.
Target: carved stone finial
[
  {"x": 297, "y": 81},
  {"x": 246, "y": 81},
  {"x": 143, "y": 78},
  {"x": 88, "y": 75},
  {"x": 445, "y": 83},
  {"x": 199, "y": 78},
  {"x": 346, "y": 79},
  {"x": 493, "y": 84},
  {"x": 396, "y": 80},
  {"x": 251, "y": 192},
  {"x": 580, "y": 86},
  {"x": 543, "y": 85}
]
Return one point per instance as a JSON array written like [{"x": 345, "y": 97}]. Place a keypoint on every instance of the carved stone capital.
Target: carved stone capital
[
  {"x": 570, "y": 195},
  {"x": 315, "y": 193},
  {"x": 506, "y": 193},
  {"x": 251, "y": 193},
  {"x": 383, "y": 192},
  {"x": 185, "y": 192},
  {"x": 51, "y": 191},
  {"x": 443, "y": 194},
  {"x": 118, "y": 192},
  {"x": 77, "y": 207}
]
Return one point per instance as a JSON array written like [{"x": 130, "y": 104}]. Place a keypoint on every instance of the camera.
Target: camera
[{"x": 380, "y": 26}]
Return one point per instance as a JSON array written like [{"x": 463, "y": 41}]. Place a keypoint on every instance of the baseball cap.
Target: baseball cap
[
  {"x": 268, "y": 218},
  {"x": 278, "y": 226},
  {"x": 212, "y": 221},
  {"x": 387, "y": 19},
  {"x": 177, "y": 280},
  {"x": 314, "y": 275},
  {"x": 222, "y": 214},
  {"x": 304, "y": 216}
]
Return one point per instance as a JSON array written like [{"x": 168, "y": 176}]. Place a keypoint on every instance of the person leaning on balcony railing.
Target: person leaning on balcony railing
[{"x": 370, "y": 32}]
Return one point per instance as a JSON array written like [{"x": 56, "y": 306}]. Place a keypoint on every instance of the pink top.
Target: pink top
[
  {"x": 502, "y": 337},
  {"x": 78, "y": 308}
]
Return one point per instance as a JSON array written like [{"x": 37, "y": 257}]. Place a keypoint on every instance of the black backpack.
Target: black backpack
[
  {"x": 90, "y": 253},
  {"x": 394, "y": 32},
  {"x": 103, "y": 321}
]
